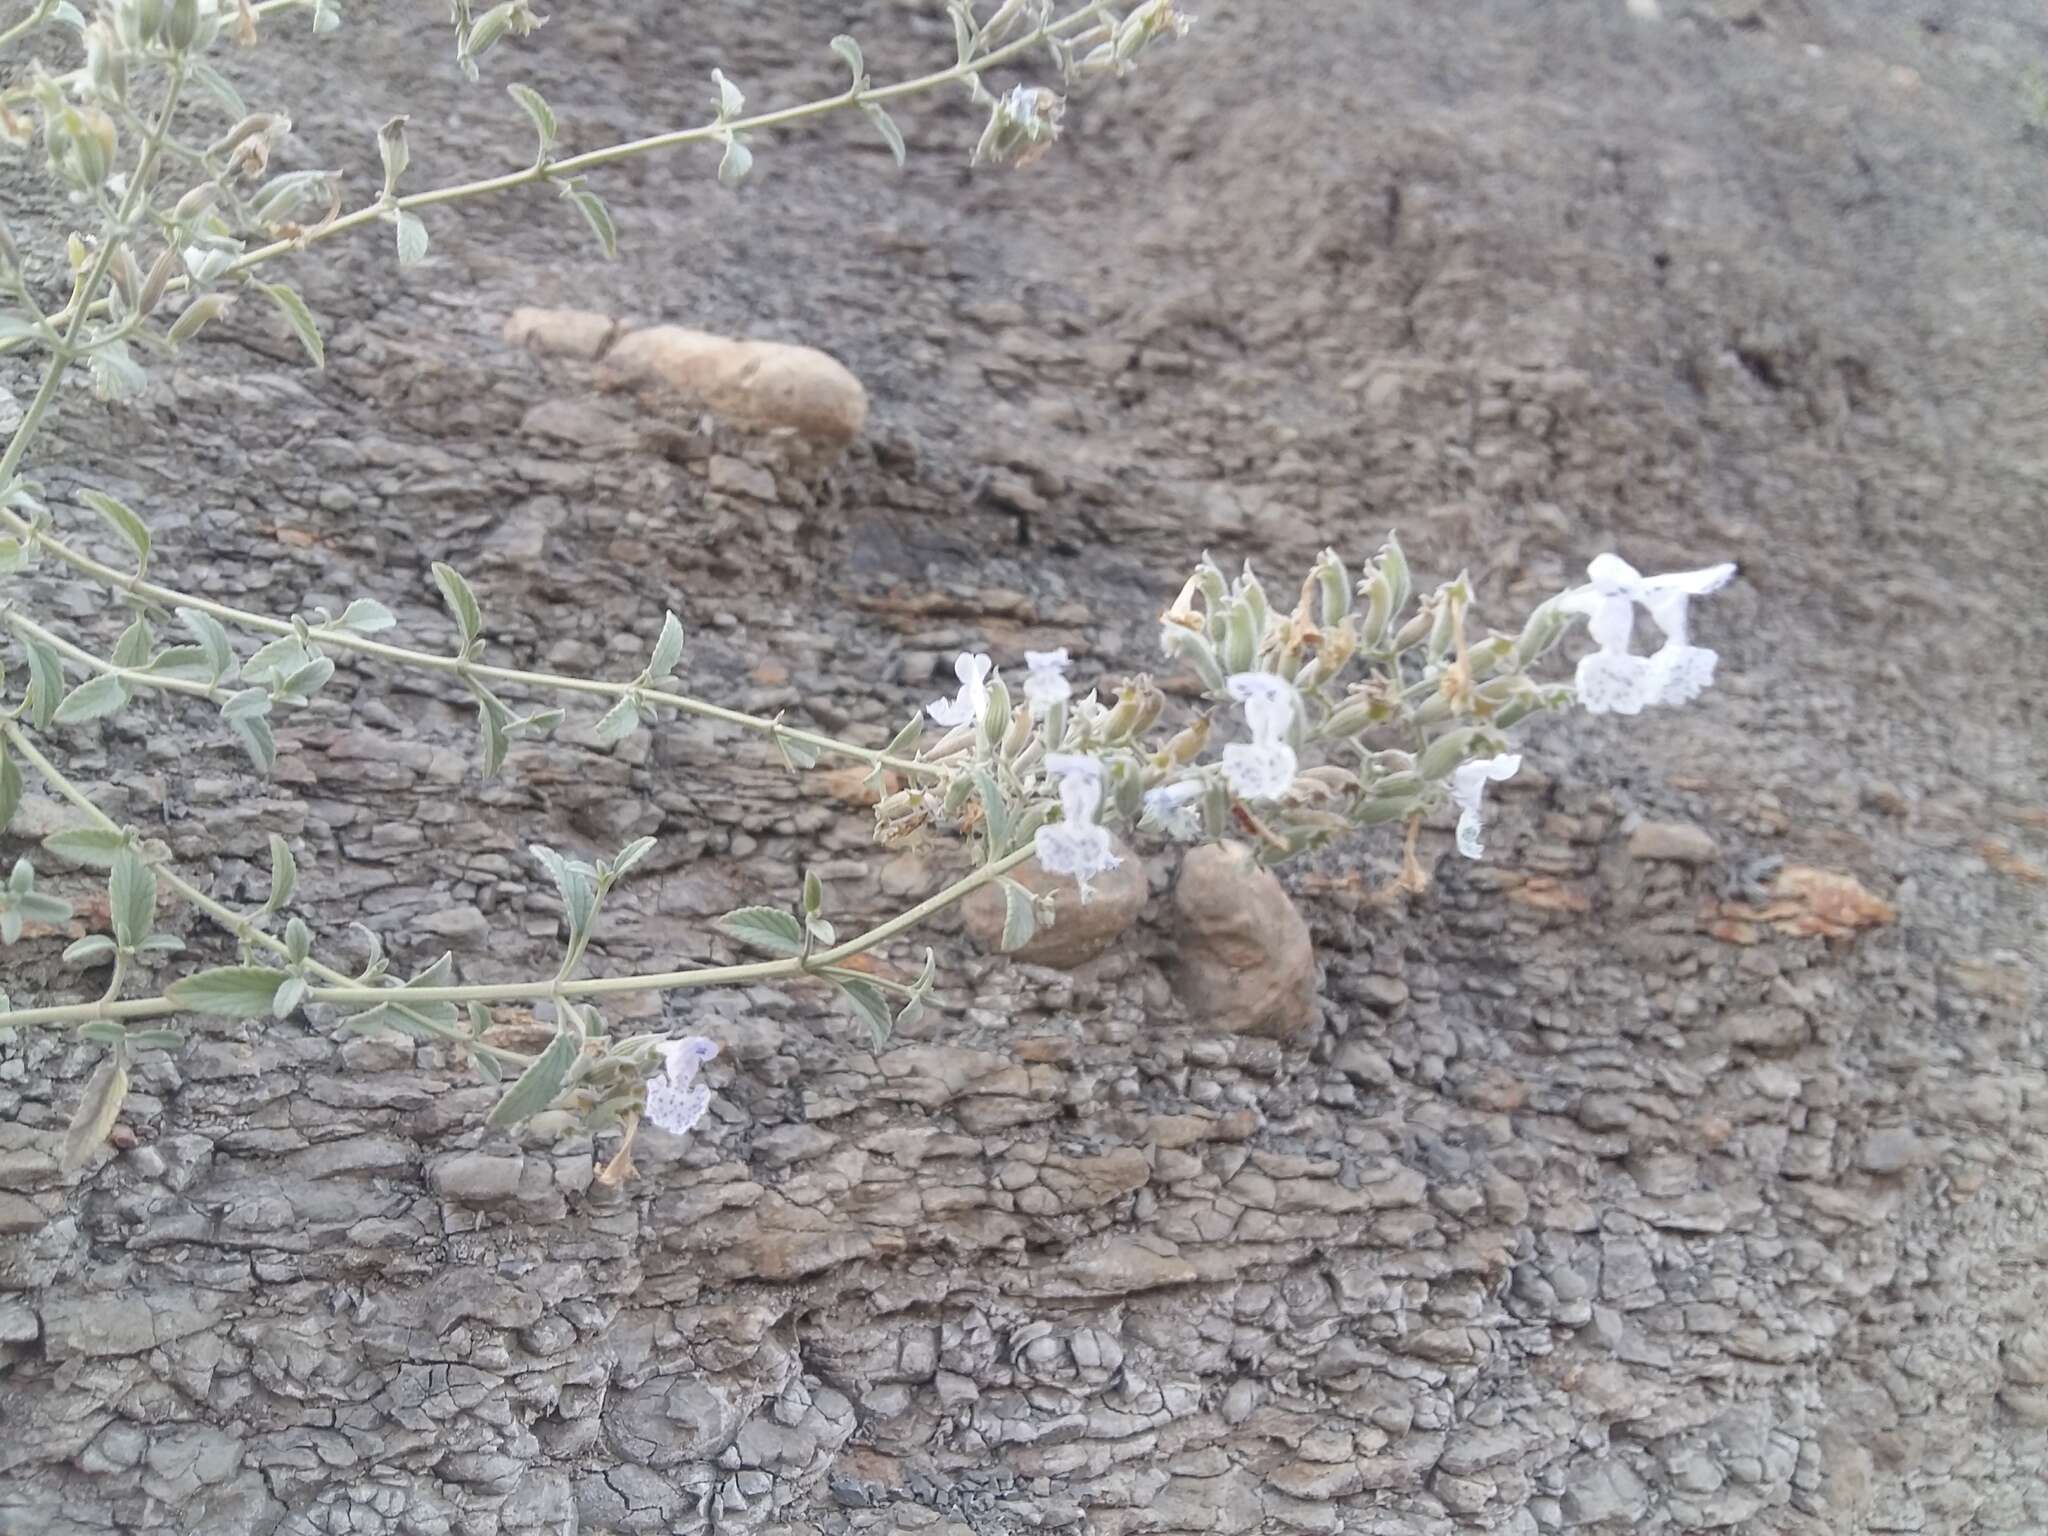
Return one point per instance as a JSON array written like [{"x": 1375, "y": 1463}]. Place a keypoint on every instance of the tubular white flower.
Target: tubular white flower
[
  {"x": 971, "y": 703},
  {"x": 1076, "y": 846},
  {"x": 1259, "y": 770},
  {"x": 1614, "y": 680},
  {"x": 676, "y": 1100},
  {"x": 1468, "y": 787},
  {"x": 1263, "y": 768},
  {"x": 1046, "y": 683},
  {"x": 1171, "y": 808}
]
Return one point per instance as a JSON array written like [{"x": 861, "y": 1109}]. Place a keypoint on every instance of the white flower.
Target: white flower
[
  {"x": 1171, "y": 808},
  {"x": 971, "y": 703},
  {"x": 1076, "y": 846},
  {"x": 1263, "y": 768},
  {"x": 1613, "y": 680},
  {"x": 1468, "y": 784},
  {"x": 1046, "y": 684},
  {"x": 676, "y": 1100},
  {"x": 1259, "y": 770}
]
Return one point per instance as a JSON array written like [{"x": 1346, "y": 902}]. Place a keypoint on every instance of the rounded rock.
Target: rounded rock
[
  {"x": 753, "y": 383},
  {"x": 1247, "y": 965},
  {"x": 1081, "y": 930}
]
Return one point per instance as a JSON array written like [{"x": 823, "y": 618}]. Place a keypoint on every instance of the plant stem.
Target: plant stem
[
  {"x": 630, "y": 149},
  {"x": 342, "y": 989},
  {"x": 346, "y": 640},
  {"x": 21, "y": 624}
]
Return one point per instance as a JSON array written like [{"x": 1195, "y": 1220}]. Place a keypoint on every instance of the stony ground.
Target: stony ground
[{"x": 1587, "y": 1204}]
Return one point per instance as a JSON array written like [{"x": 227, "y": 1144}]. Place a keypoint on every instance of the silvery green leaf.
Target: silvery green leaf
[
  {"x": 365, "y": 616},
  {"x": 289, "y": 996},
  {"x": 45, "y": 680},
  {"x": 212, "y": 638},
  {"x": 963, "y": 34},
  {"x": 39, "y": 908},
  {"x": 595, "y": 214},
  {"x": 730, "y": 102},
  {"x": 375, "y": 966},
  {"x": 911, "y": 1011},
  {"x": 668, "y": 648},
  {"x": 1020, "y": 916},
  {"x": 92, "y": 700},
  {"x": 161, "y": 944},
  {"x": 249, "y": 704},
  {"x": 538, "y": 1084},
  {"x": 14, "y": 555},
  {"x": 461, "y": 601},
  {"x": 254, "y": 733},
  {"x": 215, "y": 85},
  {"x": 308, "y": 680},
  {"x": 115, "y": 375},
  {"x": 298, "y": 941},
  {"x": 995, "y": 814},
  {"x": 276, "y": 659},
  {"x": 871, "y": 1004},
  {"x": 299, "y": 318},
  {"x": 814, "y": 893},
  {"x": 796, "y": 755},
  {"x": 189, "y": 663},
  {"x": 155, "y": 1040},
  {"x": 765, "y": 928},
  {"x": 927, "y": 974},
  {"x": 631, "y": 855},
  {"x": 10, "y": 788},
  {"x": 131, "y": 898},
  {"x": 382, "y": 1017},
  {"x": 885, "y": 125},
  {"x": 325, "y": 18},
  {"x": 118, "y": 517},
  {"x": 394, "y": 152},
  {"x": 412, "y": 239},
  {"x": 98, "y": 1108},
  {"x": 94, "y": 847},
  {"x": 479, "y": 1019},
  {"x": 618, "y": 722},
  {"x": 535, "y": 106},
  {"x": 228, "y": 991},
  {"x": 284, "y": 875},
  {"x": 849, "y": 53},
  {"x": 487, "y": 1066},
  {"x": 132, "y": 649},
  {"x": 539, "y": 723},
  {"x": 734, "y": 164},
  {"x": 821, "y": 933},
  {"x": 494, "y": 738},
  {"x": 93, "y": 949},
  {"x": 10, "y": 921},
  {"x": 104, "y": 1032}
]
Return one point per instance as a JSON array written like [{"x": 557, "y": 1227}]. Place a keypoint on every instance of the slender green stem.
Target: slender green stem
[
  {"x": 28, "y": 23},
  {"x": 88, "y": 290},
  {"x": 22, "y": 624},
  {"x": 227, "y": 917},
  {"x": 596, "y": 159},
  {"x": 343, "y": 990},
  {"x": 345, "y": 640}
]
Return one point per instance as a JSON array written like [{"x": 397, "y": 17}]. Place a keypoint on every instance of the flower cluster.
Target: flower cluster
[{"x": 1320, "y": 751}]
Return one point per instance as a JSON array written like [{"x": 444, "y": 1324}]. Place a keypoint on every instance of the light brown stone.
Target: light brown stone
[
  {"x": 1246, "y": 963},
  {"x": 754, "y": 383},
  {"x": 1080, "y": 930},
  {"x": 580, "y": 333}
]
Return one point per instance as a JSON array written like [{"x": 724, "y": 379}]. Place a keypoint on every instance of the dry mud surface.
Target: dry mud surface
[{"x": 1583, "y": 1207}]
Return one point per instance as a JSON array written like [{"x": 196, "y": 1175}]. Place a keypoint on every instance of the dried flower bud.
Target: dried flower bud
[
  {"x": 1021, "y": 126},
  {"x": 152, "y": 290},
  {"x": 195, "y": 202},
  {"x": 201, "y": 312}
]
